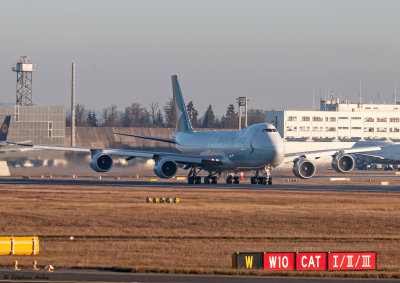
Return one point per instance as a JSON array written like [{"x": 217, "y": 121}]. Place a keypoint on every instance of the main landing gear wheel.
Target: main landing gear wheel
[
  {"x": 210, "y": 180},
  {"x": 229, "y": 180},
  {"x": 262, "y": 180},
  {"x": 192, "y": 176},
  {"x": 270, "y": 181}
]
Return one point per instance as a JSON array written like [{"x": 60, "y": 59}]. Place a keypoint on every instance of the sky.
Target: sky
[{"x": 274, "y": 52}]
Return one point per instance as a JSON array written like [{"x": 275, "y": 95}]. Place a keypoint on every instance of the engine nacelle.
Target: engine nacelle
[
  {"x": 165, "y": 168},
  {"x": 100, "y": 162},
  {"x": 303, "y": 168},
  {"x": 343, "y": 162}
]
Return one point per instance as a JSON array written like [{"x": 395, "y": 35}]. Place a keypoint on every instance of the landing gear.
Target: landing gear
[
  {"x": 192, "y": 176},
  {"x": 262, "y": 180},
  {"x": 231, "y": 179},
  {"x": 211, "y": 178}
]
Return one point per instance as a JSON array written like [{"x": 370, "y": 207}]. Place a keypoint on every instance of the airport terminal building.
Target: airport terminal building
[{"x": 338, "y": 120}]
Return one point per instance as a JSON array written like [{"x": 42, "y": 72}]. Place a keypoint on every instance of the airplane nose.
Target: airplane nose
[{"x": 279, "y": 151}]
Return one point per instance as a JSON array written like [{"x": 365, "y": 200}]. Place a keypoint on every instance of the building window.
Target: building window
[
  {"x": 368, "y": 129},
  {"x": 381, "y": 120},
  {"x": 330, "y": 129},
  {"x": 16, "y": 113},
  {"x": 292, "y": 118},
  {"x": 355, "y": 118},
  {"x": 330, "y": 119},
  {"x": 291, "y": 129},
  {"x": 318, "y": 119},
  {"x": 343, "y": 118},
  {"x": 395, "y": 130},
  {"x": 50, "y": 128},
  {"x": 356, "y": 128},
  {"x": 305, "y": 119},
  {"x": 304, "y": 128},
  {"x": 381, "y": 130},
  {"x": 343, "y": 128},
  {"x": 368, "y": 119},
  {"x": 396, "y": 120}
]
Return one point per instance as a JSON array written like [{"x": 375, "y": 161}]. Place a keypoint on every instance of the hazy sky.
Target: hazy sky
[{"x": 274, "y": 52}]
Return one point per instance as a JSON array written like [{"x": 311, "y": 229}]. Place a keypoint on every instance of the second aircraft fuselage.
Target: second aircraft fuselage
[{"x": 251, "y": 148}]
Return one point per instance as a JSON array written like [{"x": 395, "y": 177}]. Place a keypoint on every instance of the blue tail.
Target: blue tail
[
  {"x": 182, "y": 118},
  {"x": 4, "y": 128}
]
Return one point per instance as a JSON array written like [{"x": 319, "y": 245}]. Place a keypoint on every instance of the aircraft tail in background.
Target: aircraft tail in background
[
  {"x": 182, "y": 118},
  {"x": 4, "y": 128}
]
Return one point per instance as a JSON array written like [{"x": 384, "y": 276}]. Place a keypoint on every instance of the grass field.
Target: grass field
[{"x": 114, "y": 227}]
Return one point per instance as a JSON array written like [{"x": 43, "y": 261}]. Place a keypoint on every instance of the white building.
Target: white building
[{"x": 338, "y": 120}]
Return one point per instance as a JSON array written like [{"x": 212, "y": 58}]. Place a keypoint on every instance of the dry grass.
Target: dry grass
[{"x": 114, "y": 226}]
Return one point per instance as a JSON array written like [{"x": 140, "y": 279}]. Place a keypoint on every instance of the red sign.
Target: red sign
[
  {"x": 310, "y": 261},
  {"x": 278, "y": 261},
  {"x": 352, "y": 261}
]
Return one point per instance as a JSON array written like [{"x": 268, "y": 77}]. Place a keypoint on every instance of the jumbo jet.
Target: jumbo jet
[
  {"x": 258, "y": 148},
  {"x": 389, "y": 155}
]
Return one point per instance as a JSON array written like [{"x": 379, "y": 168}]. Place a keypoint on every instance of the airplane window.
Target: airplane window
[{"x": 269, "y": 130}]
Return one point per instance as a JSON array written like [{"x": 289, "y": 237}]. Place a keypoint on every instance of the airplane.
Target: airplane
[
  {"x": 3, "y": 137},
  {"x": 389, "y": 154},
  {"x": 258, "y": 148}
]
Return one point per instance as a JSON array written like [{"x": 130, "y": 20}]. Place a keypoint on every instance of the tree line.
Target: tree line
[{"x": 136, "y": 115}]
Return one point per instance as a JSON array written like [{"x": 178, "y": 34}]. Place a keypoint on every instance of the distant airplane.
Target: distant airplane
[
  {"x": 389, "y": 154},
  {"x": 3, "y": 137},
  {"x": 258, "y": 148}
]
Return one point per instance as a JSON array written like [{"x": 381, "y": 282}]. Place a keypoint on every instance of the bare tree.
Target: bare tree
[
  {"x": 255, "y": 116},
  {"x": 80, "y": 115},
  {"x": 110, "y": 116},
  {"x": 170, "y": 114}
]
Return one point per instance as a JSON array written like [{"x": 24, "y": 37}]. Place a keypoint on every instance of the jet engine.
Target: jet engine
[
  {"x": 100, "y": 162},
  {"x": 165, "y": 168},
  {"x": 303, "y": 168},
  {"x": 343, "y": 162}
]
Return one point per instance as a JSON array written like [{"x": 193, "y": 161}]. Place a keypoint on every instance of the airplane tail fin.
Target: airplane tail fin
[
  {"x": 182, "y": 118},
  {"x": 4, "y": 128}
]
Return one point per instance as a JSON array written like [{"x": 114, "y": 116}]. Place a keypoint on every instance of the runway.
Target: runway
[
  {"x": 306, "y": 186},
  {"x": 7, "y": 275}
]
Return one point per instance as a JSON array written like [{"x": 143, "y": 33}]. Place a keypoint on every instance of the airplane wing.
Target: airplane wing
[
  {"x": 192, "y": 159},
  {"x": 330, "y": 152}
]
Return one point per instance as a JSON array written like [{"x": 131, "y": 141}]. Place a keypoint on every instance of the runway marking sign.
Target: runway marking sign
[
  {"x": 352, "y": 261},
  {"x": 278, "y": 261},
  {"x": 311, "y": 261},
  {"x": 247, "y": 260}
]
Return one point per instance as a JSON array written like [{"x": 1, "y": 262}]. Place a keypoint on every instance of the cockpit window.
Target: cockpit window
[{"x": 269, "y": 130}]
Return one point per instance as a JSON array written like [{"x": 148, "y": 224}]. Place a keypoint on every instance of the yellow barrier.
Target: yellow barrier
[{"x": 19, "y": 245}]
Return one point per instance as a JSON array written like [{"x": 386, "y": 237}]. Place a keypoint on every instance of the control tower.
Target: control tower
[{"x": 24, "y": 68}]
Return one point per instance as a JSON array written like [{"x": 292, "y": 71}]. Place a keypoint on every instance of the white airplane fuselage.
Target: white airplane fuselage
[{"x": 251, "y": 148}]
